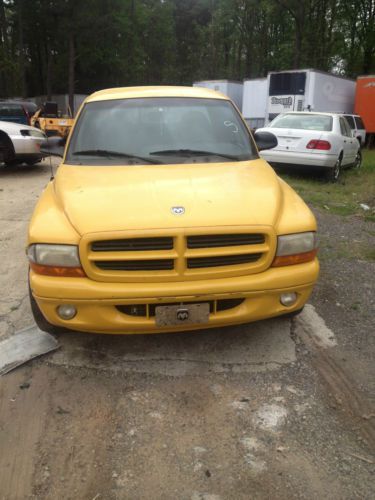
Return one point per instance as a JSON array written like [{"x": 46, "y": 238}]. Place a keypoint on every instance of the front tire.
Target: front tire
[{"x": 40, "y": 320}]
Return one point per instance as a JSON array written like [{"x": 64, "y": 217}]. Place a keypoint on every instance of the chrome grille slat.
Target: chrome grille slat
[
  {"x": 132, "y": 244},
  {"x": 224, "y": 240},
  {"x": 135, "y": 265},
  {"x": 224, "y": 260}
]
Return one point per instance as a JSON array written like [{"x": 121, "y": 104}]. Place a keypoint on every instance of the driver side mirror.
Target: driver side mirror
[
  {"x": 53, "y": 146},
  {"x": 265, "y": 140}
]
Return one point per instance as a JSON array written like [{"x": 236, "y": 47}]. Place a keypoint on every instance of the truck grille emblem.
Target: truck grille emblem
[
  {"x": 182, "y": 314},
  {"x": 178, "y": 210}
]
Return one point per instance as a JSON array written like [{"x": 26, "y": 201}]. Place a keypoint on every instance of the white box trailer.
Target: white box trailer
[
  {"x": 254, "y": 102},
  {"x": 308, "y": 90},
  {"x": 230, "y": 88}
]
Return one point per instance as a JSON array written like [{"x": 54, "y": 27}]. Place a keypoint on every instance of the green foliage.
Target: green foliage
[
  {"x": 104, "y": 43},
  {"x": 354, "y": 188}
]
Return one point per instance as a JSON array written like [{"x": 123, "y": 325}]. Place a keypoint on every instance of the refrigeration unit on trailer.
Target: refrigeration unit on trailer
[
  {"x": 254, "y": 102},
  {"x": 309, "y": 90},
  {"x": 230, "y": 88},
  {"x": 365, "y": 101}
]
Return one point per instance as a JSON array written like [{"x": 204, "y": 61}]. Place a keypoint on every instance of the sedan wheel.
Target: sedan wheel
[
  {"x": 334, "y": 172},
  {"x": 358, "y": 161}
]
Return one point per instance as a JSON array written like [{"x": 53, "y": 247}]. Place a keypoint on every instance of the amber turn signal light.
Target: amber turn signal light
[
  {"x": 290, "y": 260},
  {"x": 69, "y": 272}
]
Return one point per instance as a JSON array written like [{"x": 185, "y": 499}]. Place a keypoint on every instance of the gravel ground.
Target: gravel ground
[{"x": 258, "y": 411}]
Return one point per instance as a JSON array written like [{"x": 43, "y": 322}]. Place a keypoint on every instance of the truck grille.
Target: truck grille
[{"x": 183, "y": 254}]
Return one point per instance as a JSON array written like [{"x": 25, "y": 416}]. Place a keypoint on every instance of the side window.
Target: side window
[
  {"x": 348, "y": 129},
  {"x": 344, "y": 127},
  {"x": 350, "y": 120},
  {"x": 359, "y": 122}
]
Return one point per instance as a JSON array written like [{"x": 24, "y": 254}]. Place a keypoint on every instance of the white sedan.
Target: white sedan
[
  {"x": 320, "y": 140},
  {"x": 20, "y": 143}
]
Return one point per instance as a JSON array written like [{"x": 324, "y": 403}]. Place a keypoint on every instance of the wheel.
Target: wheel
[
  {"x": 333, "y": 173},
  {"x": 6, "y": 150},
  {"x": 40, "y": 320},
  {"x": 358, "y": 160},
  {"x": 10, "y": 163}
]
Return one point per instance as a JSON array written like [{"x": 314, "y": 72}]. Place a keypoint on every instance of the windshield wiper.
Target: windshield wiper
[
  {"x": 105, "y": 153},
  {"x": 192, "y": 152}
]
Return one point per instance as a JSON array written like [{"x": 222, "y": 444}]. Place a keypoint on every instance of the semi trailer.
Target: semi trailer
[
  {"x": 254, "y": 102},
  {"x": 230, "y": 88},
  {"x": 365, "y": 101},
  {"x": 308, "y": 90}
]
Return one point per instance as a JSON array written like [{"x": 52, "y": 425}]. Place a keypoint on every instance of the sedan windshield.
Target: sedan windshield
[
  {"x": 303, "y": 121},
  {"x": 159, "y": 130}
]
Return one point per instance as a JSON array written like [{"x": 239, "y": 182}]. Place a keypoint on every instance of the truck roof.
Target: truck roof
[
  {"x": 326, "y": 113},
  {"x": 160, "y": 91},
  {"x": 312, "y": 70},
  {"x": 218, "y": 81}
]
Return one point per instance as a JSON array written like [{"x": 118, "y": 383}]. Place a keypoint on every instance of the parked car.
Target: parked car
[
  {"x": 320, "y": 140},
  {"x": 358, "y": 128},
  {"x": 17, "y": 111},
  {"x": 20, "y": 144},
  {"x": 166, "y": 219}
]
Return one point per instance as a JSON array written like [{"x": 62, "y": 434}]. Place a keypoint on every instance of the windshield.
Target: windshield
[
  {"x": 303, "y": 121},
  {"x": 159, "y": 130}
]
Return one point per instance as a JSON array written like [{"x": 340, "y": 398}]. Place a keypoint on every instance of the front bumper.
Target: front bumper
[
  {"x": 96, "y": 301},
  {"x": 27, "y": 145},
  {"x": 319, "y": 160}
]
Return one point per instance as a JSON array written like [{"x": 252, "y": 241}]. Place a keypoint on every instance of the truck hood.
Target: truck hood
[{"x": 118, "y": 198}]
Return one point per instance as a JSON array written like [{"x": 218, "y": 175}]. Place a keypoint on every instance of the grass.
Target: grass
[{"x": 344, "y": 197}]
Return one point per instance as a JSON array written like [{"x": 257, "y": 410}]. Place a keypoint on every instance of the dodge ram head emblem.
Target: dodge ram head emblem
[
  {"x": 178, "y": 210},
  {"x": 182, "y": 314}
]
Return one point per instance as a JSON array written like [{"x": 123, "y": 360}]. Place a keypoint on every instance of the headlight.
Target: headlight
[
  {"x": 295, "y": 248},
  {"x": 55, "y": 260},
  {"x": 54, "y": 255},
  {"x": 32, "y": 133}
]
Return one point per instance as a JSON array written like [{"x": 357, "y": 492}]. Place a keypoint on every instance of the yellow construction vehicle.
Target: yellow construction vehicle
[{"x": 51, "y": 121}]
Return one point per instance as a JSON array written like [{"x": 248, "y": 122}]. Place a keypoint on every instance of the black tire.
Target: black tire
[
  {"x": 333, "y": 173},
  {"x": 11, "y": 163},
  {"x": 293, "y": 313},
  {"x": 33, "y": 162},
  {"x": 6, "y": 150},
  {"x": 40, "y": 320},
  {"x": 358, "y": 160}
]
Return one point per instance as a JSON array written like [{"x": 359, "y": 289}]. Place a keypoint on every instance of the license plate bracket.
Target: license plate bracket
[{"x": 182, "y": 314}]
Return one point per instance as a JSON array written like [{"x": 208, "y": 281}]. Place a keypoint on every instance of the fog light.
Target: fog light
[
  {"x": 66, "y": 311},
  {"x": 288, "y": 299}
]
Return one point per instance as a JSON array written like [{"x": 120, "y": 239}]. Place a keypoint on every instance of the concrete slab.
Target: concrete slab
[{"x": 253, "y": 347}]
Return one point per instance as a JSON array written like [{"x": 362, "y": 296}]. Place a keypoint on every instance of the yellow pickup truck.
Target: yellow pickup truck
[{"x": 162, "y": 217}]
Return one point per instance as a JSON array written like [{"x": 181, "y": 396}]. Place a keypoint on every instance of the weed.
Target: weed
[{"x": 344, "y": 197}]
